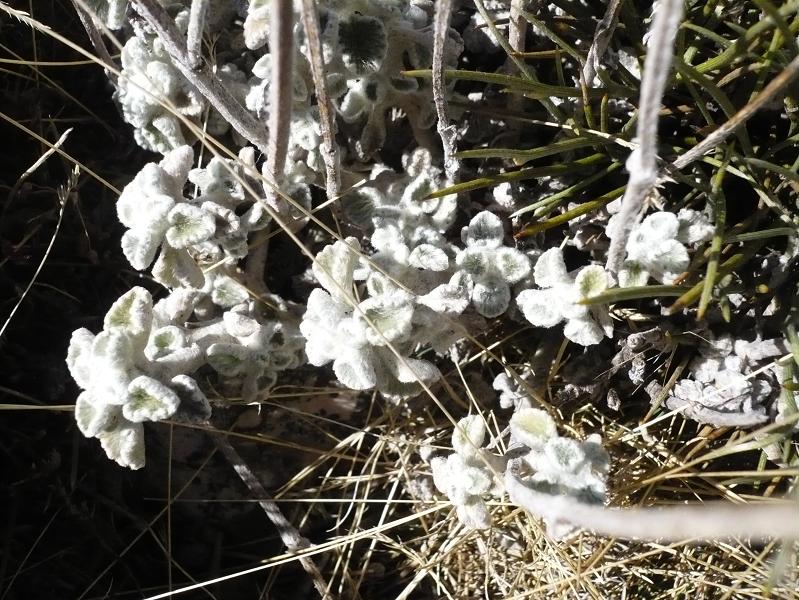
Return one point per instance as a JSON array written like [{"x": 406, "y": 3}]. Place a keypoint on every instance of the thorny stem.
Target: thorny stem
[
  {"x": 310, "y": 22},
  {"x": 287, "y": 532},
  {"x": 446, "y": 130},
  {"x": 707, "y": 521},
  {"x": 202, "y": 78},
  {"x": 97, "y": 41},
  {"x": 642, "y": 163},
  {"x": 194, "y": 36}
]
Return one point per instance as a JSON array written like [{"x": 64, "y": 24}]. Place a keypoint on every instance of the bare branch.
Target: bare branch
[
  {"x": 707, "y": 521},
  {"x": 642, "y": 163},
  {"x": 287, "y": 532},
  {"x": 774, "y": 87},
  {"x": 97, "y": 41},
  {"x": 602, "y": 36},
  {"x": 327, "y": 122},
  {"x": 446, "y": 130},
  {"x": 202, "y": 78},
  {"x": 194, "y": 36}
]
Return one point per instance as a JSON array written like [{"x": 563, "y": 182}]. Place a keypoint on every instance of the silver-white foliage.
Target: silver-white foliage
[
  {"x": 355, "y": 335},
  {"x": 559, "y": 296},
  {"x": 134, "y": 370},
  {"x": 559, "y": 466},
  {"x": 206, "y": 229},
  {"x": 727, "y": 388},
  {"x": 467, "y": 475},
  {"x": 491, "y": 267},
  {"x": 151, "y": 89},
  {"x": 657, "y": 246}
]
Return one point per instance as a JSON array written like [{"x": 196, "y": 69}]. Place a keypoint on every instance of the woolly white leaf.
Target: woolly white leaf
[
  {"x": 512, "y": 264},
  {"x": 176, "y": 164},
  {"x": 228, "y": 292},
  {"x": 239, "y": 325},
  {"x": 468, "y": 436},
  {"x": 359, "y": 205},
  {"x": 541, "y": 307},
  {"x": 585, "y": 332},
  {"x": 334, "y": 266},
  {"x": 532, "y": 427},
  {"x": 194, "y": 406},
  {"x": 591, "y": 281},
  {"x": 189, "y": 225},
  {"x": 228, "y": 359},
  {"x": 124, "y": 445},
  {"x": 564, "y": 454},
  {"x": 413, "y": 370},
  {"x": 139, "y": 247},
  {"x": 386, "y": 318},
  {"x": 112, "y": 365},
  {"x": 694, "y": 227},
  {"x": 356, "y": 369},
  {"x": 149, "y": 400},
  {"x": 474, "y": 514},
  {"x": 452, "y": 297},
  {"x": 176, "y": 268},
  {"x": 429, "y": 257},
  {"x": 163, "y": 341},
  {"x": 491, "y": 296},
  {"x": 485, "y": 229},
  {"x": 474, "y": 261},
  {"x": 632, "y": 274},
  {"x": 93, "y": 418},
  {"x": 79, "y": 357},
  {"x": 132, "y": 313},
  {"x": 176, "y": 307},
  {"x": 550, "y": 269}
]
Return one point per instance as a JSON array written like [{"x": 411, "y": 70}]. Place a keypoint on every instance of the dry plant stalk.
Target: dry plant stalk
[
  {"x": 202, "y": 78},
  {"x": 327, "y": 121},
  {"x": 642, "y": 163},
  {"x": 194, "y": 35},
  {"x": 287, "y": 532},
  {"x": 446, "y": 130},
  {"x": 708, "y": 521}
]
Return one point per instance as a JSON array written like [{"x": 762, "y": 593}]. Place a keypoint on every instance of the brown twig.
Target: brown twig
[
  {"x": 287, "y": 532},
  {"x": 602, "y": 36},
  {"x": 446, "y": 130},
  {"x": 202, "y": 78},
  {"x": 774, "y": 87},
  {"x": 281, "y": 44},
  {"x": 327, "y": 122},
  {"x": 96, "y": 40}
]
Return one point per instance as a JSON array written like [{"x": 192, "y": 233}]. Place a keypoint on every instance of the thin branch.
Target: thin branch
[
  {"x": 642, "y": 163},
  {"x": 287, "y": 532},
  {"x": 774, "y": 87},
  {"x": 96, "y": 40},
  {"x": 194, "y": 36},
  {"x": 707, "y": 521},
  {"x": 602, "y": 36},
  {"x": 281, "y": 49},
  {"x": 202, "y": 78},
  {"x": 446, "y": 130},
  {"x": 327, "y": 121}
]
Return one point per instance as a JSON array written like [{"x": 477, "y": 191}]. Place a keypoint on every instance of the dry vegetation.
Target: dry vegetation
[{"x": 345, "y": 467}]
